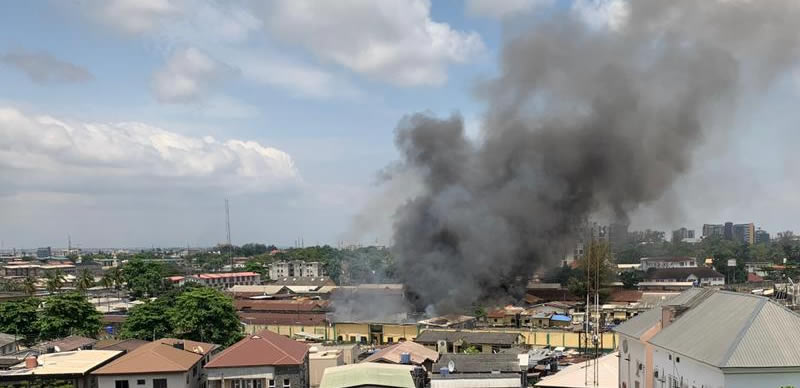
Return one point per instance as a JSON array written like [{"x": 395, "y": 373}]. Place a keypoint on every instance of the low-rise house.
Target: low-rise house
[
  {"x": 165, "y": 363},
  {"x": 75, "y": 367},
  {"x": 479, "y": 370},
  {"x": 560, "y": 320},
  {"x": 263, "y": 360},
  {"x": 576, "y": 376},
  {"x": 697, "y": 275},
  {"x": 373, "y": 374},
  {"x": 444, "y": 341},
  {"x": 8, "y": 344},
  {"x": 508, "y": 316},
  {"x": 221, "y": 280},
  {"x": 408, "y": 353},
  {"x": 66, "y": 344},
  {"x": 126, "y": 346},
  {"x": 450, "y": 321}
]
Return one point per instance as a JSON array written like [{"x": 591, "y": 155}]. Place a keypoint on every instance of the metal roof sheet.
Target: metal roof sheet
[
  {"x": 638, "y": 325},
  {"x": 368, "y": 374},
  {"x": 731, "y": 330}
]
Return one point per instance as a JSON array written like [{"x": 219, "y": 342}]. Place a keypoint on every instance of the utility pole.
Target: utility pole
[{"x": 228, "y": 231}]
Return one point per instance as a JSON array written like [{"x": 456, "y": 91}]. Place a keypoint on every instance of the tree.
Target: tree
[
  {"x": 144, "y": 278},
  {"x": 107, "y": 281},
  {"x": 84, "y": 281},
  {"x": 55, "y": 281},
  {"x": 256, "y": 266},
  {"x": 148, "y": 321},
  {"x": 29, "y": 285},
  {"x": 595, "y": 270},
  {"x": 630, "y": 279},
  {"x": 68, "y": 314},
  {"x": 471, "y": 349},
  {"x": 19, "y": 318},
  {"x": 207, "y": 315}
]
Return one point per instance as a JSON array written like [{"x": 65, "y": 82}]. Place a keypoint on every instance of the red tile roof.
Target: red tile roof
[
  {"x": 278, "y": 305},
  {"x": 153, "y": 357},
  {"x": 629, "y": 296},
  {"x": 753, "y": 278},
  {"x": 282, "y": 318},
  {"x": 264, "y": 348}
]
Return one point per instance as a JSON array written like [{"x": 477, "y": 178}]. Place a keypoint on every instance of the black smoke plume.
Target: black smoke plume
[{"x": 582, "y": 118}]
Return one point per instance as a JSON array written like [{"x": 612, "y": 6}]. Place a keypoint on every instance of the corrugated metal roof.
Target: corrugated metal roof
[
  {"x": 731, "y": 330},
  {"x": 472, "y": 337},
  {"x": 479, "y": 363},
  {"x": 370, "y": 374},
  {"x": 638, "y": 325}
]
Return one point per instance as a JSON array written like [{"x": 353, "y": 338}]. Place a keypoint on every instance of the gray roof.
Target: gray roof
[
  {"x": 638, "y": 325},
  {"x": 731, "y": 330},
  {"x": 479, "y": 363},
  {"x": 471, "y": 337},
  {"x": 6, "y": 339}
]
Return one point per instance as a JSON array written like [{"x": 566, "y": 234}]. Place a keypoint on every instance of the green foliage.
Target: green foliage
[
  {"x": 144, "y": 278},
  {"x": 257, "y": 266},
  {"x": 54, "y": 281},
  {"x": 148, "y": 321},
  {"x": 630, "y": 279},
  {"x": 84, "y": 281},
  {"x": 207, "y": 315},
  {"x": 561, "y": 275},
  {"x": 471, "y": 350},
  {"x": 29, "y": 285},
  {"x": 594, "y": 270},
  {"x": 67, "y": 314},
  {"x": 19, "y": 318}
]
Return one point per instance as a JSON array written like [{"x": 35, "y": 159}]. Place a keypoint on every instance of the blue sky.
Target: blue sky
[{"x": 126, "y": 123}]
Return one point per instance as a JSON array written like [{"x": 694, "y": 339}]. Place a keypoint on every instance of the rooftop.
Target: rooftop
[
  {"x": 154, "y": 357},
  {"x": 123, "y": 345},
  {"x": 65, "y": 363},
  {"x": 668, "y": 258},
  {"x": 479, "y": 363},
  {"x": 472, "y": 337},
  {"x": 264, "y": 348},
  {"x": 419, "y": 353},
  {"x": 683, "y": 273},
  {"x": 6, "y": 339},
  {"x": 575, "y": 375},
  {"x": 66, "y": 344},
  {"x": 273, "y": 318},
  {"x": 368, "y": 374}
]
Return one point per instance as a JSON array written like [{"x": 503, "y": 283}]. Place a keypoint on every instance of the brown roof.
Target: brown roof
[
  {"x": 630, "y": 296},
  {"x": 154, "y": 357},
  {"x": 67, "y": 344},
  {"x": 282, "y": 318},
  {"x": 114, "y": 318},
  {"x": 278, "y": 305},
  {"x": 551, "y": 294},
  {"x": 264, "y": 348},
  {"x": 499, "y": 313},
  {"x": 192, "y": 346},
  {"x": 114, "y": 344},
  {"x": 419, "y": 353}
]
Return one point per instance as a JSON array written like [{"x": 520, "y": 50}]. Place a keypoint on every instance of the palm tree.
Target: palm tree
[
  {"x": 84, "y": 281},
  {"x": 117, "y": 277},
  {"x": 55, "y": 281},
  {"x": 107, "y": 281},
  {"x": 29, "y": 285}
]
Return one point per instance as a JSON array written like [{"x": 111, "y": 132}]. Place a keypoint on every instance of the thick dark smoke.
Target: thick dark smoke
[{"x": 581, "y": 119}]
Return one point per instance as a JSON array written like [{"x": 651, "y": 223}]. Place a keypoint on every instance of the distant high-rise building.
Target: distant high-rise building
[
  {"x": 617, "y": 235},
  {"x": 682, "y": 234},
  {"x": 710, "y": 230},
  {"x": 744, "y": 233},
  {"x": 762, "y": 236},
  {"x": 728, "y": 233},
  {"x": 44, "y": 253}
]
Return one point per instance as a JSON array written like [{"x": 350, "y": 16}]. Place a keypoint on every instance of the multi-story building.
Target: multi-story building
[
  {"x": 744, "y": 233},
  {"x": 728, "y": 231},
  {"x": 707, "y": 338},
  {"x": 762, "y": 236},
  {"x": 682, "y": 234},
  {"x": 222, "y": 280},
  {"x": 26, "y": 269},
  {"x": 713, "y": 230},
  {"x": 645, "y": 263},
  {"x": 44, "y": 253},
  {"x": 698, "y": 275},
  {"x": 296, "y": 269}
]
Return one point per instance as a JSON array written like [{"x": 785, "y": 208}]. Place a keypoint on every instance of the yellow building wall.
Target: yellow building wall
[
  {"x": 289, "y": 330},
  {"x": 348, "y": 330},
  {"x": 409, "y": 332}
]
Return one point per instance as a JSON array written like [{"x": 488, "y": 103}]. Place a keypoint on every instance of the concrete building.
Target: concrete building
[
  {"x": 44, "y": 253},
  {"x": 297, "y": 268},
  {"x": 501, "y": 370},
  {"x": 222, "y": 280},
  {"x": 371, "y": 374},
  {"x": 646, "y": 263},
  {"x": 681, "y": 234},
  {"x": 263, "y": 360},
  {"x": 319, "y": 360},
  {"x": 762, "y": 236},
  {"x": 446, "y": 341},
  {"x": 8, "y": 344},
  {"x": 713, "y": 230},
  {"x": 53, "y": 369},
  {"x": 165, "y": 363},
  {"x": 744, "y": 233},
  {"x": 450, "y": 321},
  {"x": 698, "y": 275},
  {"x": 417, "y": 355}
]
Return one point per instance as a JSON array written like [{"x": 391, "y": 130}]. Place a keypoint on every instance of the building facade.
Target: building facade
[
  {"x": 744, "y": 233},
  {"x": 646, "y": 263},
  {"x": 296, "y": 269},
  {"x": 713, "y": 230},
  {"x": 682, "y": 234},
  {"x": 762, "y": 236}
]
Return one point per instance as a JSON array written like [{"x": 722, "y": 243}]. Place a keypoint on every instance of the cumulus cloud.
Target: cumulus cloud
[
  {"x": 500, "y": 9},
  {"x": 44, "y": 68},
  {"x": 133, "y": 16},
  {"x": 55, "y": 154},
  {"x": 392, "y": 40},
  {"x": 187, "y": 76}
]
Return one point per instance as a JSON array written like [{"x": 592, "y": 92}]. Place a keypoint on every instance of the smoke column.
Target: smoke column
[{"x": 583, "y": 117}]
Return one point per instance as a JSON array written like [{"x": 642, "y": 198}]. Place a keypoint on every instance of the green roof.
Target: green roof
[{"x": 375, "y": 374}]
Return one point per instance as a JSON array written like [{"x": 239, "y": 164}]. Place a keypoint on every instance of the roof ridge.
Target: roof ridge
[
  {"x": 280, "y": 348},
  {"x": 738, "y": 339}
]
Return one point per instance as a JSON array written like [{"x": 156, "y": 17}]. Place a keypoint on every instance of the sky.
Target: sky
[{"x": 127, "y": 123}]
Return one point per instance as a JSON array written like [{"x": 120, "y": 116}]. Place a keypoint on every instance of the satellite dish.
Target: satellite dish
[
  {"x": 451, "y": 366},
  {"x": 56, "y": 348}
]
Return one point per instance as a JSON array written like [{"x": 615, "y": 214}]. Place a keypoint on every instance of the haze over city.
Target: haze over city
[{"x": 127, "y": 123}]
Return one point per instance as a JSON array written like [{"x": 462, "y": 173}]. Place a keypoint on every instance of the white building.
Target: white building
[
  {"x": 711, "y": 339},
  {"x": 221, "y": 280},
  {"x": 667, "y": 262},
  {"x": 698, "y": 275},
  {"x": 296, "y": 269}
]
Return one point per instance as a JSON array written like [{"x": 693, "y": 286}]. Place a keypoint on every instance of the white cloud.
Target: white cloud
[
  {"x": 187, "y": 76},
  {"x": 391, "y": 40},
  {"x": 44, "y": 68},
  {"x": 58, "y": 154},
  {"x": 500, "y": 9},
  {"x": 133, "y": 16},
  {"x": 612, "y": 14}
]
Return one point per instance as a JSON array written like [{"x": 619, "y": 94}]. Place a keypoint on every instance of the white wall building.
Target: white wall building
[
  {"x": 667, "y": 262},
  {"x": 711, "y": 339},
  {"x": 296, "y": 269}
]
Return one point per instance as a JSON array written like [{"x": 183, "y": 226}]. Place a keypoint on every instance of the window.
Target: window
[
  {"x": 237, "y": 383},
  {"x": 140, "y": 382},
  {"x": 286, "y": 383},
  {"x": 121, "y": 384},
  {"x": 258, "y": 383},
  {"x": 161, "y": 383},
  {"x": 390, "y": 340},
  {"x": 194, "y": 371},
  {"x": 271, "y": 384}
]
